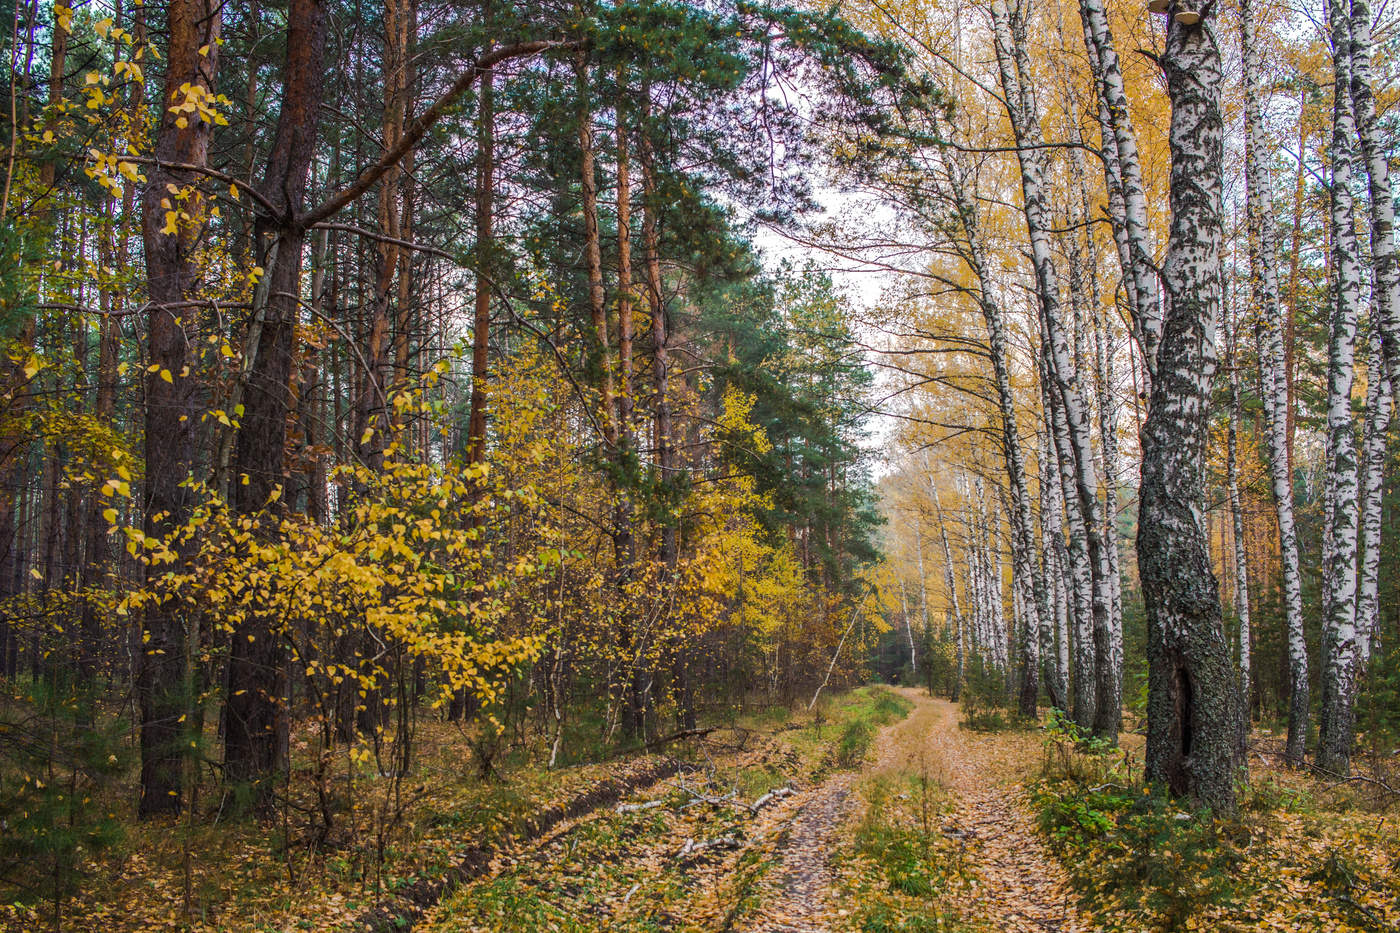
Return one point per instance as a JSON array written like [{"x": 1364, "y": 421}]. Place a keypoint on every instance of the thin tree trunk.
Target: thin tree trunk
[
  {"x": 1385, "y": 263},
  {"x": 1037, "y": 608},
  {"x": 951, "y": 583},
  {"x": 1340, "y": 545},
  {"x": 1378, "y": 410},
  {"x": 1273, "y": 375},
  {"x": 1240, "y": 564},
  {"x": 661, "y": 403},
  {"x": 592, "y": 252}
]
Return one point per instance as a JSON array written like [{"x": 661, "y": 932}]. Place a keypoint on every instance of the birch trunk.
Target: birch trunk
[
  {"x": 1084, "y": 293},
  {"x": 1340, "y": 545},
  {"x": 923, "y": 586},
  {"x": 1056, "y": 563},
  {"x": 1120, "y": 142},
  {"x": 1079, "y": 577},
  {"x": 1385, "y": 287},
  {"x": 951, "y": 583},
  {"x": 1273, "y": 376},
  {"x": 1193, "y": 703},
  {"x": 1378, "y": 411},
  {"x": 1015, "y": 75},
  {"x": 1241, "y": 567},
  {"x": 1037, "y": 607},
  {"x": 1385, "y": 316}
]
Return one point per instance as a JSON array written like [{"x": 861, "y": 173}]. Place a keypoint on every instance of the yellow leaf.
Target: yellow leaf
[{"x": 165, "y": 374}]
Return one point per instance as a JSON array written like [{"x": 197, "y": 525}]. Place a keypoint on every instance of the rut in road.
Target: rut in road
[{"x": 1021, "y": 885}]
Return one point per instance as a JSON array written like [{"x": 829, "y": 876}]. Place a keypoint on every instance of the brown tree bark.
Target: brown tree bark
[
  {"x": 255, "y": 722},
  {"x": 172, "y": 390}
]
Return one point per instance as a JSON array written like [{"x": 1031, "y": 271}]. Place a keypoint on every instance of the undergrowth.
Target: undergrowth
[
  {"x": 1143, "y": 860},
  {"x": 985, "y": 701},
  {"x": 868, "y": 710}
]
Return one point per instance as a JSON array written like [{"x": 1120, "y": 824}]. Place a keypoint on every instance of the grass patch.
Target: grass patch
[{"x": 899, "y": 872}]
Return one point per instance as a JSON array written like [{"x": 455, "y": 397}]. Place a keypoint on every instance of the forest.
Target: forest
[{"x": 897, "y": 465}]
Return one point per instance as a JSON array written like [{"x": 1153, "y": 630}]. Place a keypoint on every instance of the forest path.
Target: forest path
[{"x": 1021, "y": 885}]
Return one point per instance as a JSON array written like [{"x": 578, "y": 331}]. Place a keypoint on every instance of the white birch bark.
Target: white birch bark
[
  {"x": 1057, "y": 648},
  {"x": 1385, "y": 287},
  {"x": 1023, "y": 565},
  {"x": 950, "y": 581},
  {"x": 1379, "y": 403},
  {"x": 1340, "y": 546},
  {"x": 1079, "y": 576},
  {"x": 1384, "y": 363},
  {"x": 923, "y": 586},
  {"x": 1014, "y": 71},
  {"x": 1232, "y": 481},
  {"x": 1272, "y": 313},
  {"x": 1084, "y": 293},
  {"x": 1120, "y": 141}
]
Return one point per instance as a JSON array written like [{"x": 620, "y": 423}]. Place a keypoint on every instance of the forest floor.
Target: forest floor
[
  {"x": 879, "y": 811},
  {"x": 932, "y": 832},
  {"x": 927, "y": 825}
]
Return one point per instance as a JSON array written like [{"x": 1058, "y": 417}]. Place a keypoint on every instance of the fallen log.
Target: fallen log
[
  {"x": 692, "y": 848},
  {"x": 777, "y": 793}
]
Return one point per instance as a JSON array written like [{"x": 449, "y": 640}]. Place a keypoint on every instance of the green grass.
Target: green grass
[{"x": 899, "y": 873}]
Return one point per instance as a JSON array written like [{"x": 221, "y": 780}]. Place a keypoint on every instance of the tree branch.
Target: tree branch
[{"x": 424, "y": 122}]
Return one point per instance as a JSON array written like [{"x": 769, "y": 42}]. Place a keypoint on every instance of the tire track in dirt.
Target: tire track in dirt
[
  {"x": 1022, "y": 887},
  {"x": 804, "y": 880}
]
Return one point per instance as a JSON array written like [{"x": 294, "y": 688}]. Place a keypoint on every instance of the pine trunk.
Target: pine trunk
[
  {"x": 255, "y": 721},
  {"x": 172, "y": 394}
]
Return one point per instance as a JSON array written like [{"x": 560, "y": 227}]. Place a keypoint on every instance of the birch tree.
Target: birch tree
[
  {"x": 1237, "y": 551},
  {"x": 1037, "y": 608},
  {"x": 1375, "y": 155},
  {"x": 1123, "y": 180},
  {"x": 1340, "y": 538},
  {"x": 1378, "y": 412},
  {"x": 1193, "y": 700},
  {"x": 1271, "y": 312},
  {"x": 1016, "y": 82}
]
